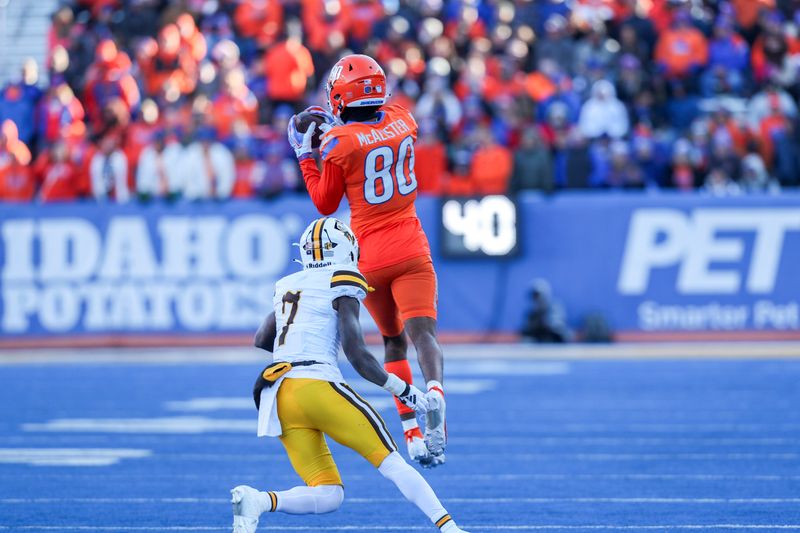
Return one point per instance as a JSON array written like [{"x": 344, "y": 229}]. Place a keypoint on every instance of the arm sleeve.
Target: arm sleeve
[{"x": 325, "y": 189}]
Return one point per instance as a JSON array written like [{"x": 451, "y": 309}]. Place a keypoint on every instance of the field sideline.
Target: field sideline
[{"x": 631, "y": 437}]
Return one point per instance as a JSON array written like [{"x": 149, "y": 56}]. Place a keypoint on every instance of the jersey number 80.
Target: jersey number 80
[{"x": 385, "y": 157}]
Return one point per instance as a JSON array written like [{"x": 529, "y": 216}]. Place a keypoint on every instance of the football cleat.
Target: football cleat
[
  {"x": 432, "y": 461},
  {"x": 417, "y": 450},
  {"x": 247, "y": 505},
  {"x": 435, "y": 427}
]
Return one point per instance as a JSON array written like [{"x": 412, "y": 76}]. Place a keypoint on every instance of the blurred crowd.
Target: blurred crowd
[{"x": 190, "y": 98}]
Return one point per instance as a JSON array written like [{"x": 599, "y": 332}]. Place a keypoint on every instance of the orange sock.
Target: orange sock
[{"x": 402, "y": 370}]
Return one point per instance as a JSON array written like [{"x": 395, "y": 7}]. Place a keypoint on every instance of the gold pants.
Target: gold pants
[{"x": 309, "y": 409}]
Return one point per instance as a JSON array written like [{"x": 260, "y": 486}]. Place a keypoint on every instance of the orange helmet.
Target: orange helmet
[{"x": 355, "y": 81}]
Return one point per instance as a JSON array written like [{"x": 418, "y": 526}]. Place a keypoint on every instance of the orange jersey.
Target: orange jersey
[{"x": 372, "y": 163}]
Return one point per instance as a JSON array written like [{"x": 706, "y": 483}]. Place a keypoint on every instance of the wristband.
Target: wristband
[{"x": 396, "y": 386}]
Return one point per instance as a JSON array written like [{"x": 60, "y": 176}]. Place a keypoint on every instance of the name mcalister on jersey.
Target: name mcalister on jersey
[
  {"x": 398, "y": 127},
  {"x": 372, "y": 163}
]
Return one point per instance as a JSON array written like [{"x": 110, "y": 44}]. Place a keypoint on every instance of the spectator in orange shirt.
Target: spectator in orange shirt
[
  {"x": 193, "y": 43},
  {"x": 747, "y": 12},
  {"x": 364, "y": 14},
  {"x": 246, "y": 168},
  {"x": 430, "y": 162},
  {"x": 682, "y": 49},
  {"x": 57, "y": 174},
  {"x": 459, "y": 182},
  {"x": 109, "y": 80},
  {"x": 764, "y": 103},
  {"x": 465, "y": 22},
  {"x": 508, "y": 80},
  {"x": 80, "y": 153},
  {"x": 235, "y": 102},
  {"x": 491, "y": 164},
  {"x": 259, "y": 20},
  {"x": 325, "y": 24},
  {"x": 773, "y": 51},
  {"x": 59, "y": 110},
  {"x": 771, "y": 128},
  {"x": 287, "y": 67},
  {"x": 722, "y": 119},
  {"x": 16, "y": 181},
  {"x": 169, "y": 72}
]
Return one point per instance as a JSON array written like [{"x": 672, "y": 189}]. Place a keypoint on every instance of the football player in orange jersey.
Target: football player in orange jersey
[{"x": 367, "y": 155}]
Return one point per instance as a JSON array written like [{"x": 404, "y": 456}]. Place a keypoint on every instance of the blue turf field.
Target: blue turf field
[{"x": 670, "y": 445}]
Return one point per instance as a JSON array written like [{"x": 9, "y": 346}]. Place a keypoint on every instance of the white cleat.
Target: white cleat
[
  {"x": 247, "y": 507},
  {"x": 435, "y": 427},
  {"x": 417, "y": 450},
  {"x": 432, "y": 461}
]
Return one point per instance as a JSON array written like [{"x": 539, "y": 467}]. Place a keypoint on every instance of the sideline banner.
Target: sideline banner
[
  {"x": 649, "y": 263},
  {"x": 184, "y": 268},
  {"x": 662, "y": 263}
]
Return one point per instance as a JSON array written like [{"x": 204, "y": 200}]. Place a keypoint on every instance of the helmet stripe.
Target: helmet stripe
[{"x": 316, "y": 236}]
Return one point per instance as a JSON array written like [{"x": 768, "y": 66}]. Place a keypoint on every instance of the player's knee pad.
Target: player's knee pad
[{"x": 328, "y": 498}]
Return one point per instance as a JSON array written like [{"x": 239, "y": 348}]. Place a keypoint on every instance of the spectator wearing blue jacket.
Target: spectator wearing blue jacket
[
  {"x": 682, "y": 107},
  {"x": 728, "y": 59},
  {"x": 18, "y": 102}
]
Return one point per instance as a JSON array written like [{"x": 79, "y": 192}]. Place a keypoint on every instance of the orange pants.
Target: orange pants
[{"x": 402, "y": 291}]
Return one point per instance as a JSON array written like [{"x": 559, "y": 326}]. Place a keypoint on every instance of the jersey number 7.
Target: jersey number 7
[
  {"x": 379, "y": 186},
  {"x": 293, "y": 299}
]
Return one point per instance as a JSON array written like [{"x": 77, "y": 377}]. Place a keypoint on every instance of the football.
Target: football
[{"x": 303, "y": 120}]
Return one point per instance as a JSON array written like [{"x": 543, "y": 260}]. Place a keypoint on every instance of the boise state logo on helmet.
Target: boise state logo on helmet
[
  {"x": 356, "y": 80},
  {"x": 328, "y": 241}
]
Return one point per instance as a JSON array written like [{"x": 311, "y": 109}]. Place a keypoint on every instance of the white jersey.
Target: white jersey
[{"x": 307, "y": 324}]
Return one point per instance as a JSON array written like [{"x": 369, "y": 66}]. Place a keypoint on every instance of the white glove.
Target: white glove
[
  {"x": 300, "y": 141},
  {"x": 409, "y": 395}
]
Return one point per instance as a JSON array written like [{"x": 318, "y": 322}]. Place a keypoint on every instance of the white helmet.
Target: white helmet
[{"x": 328, "y": 241}]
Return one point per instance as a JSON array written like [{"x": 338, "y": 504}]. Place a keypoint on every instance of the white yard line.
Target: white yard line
[
  {"x": 373, "y": 528},
  {"x": 526, "y": 457},
  {"x": 441, "y": 477},
  {"x": 455, "y": 352},
  {"x": 69, "y": 456},
  {"x": 471, "y": 501},
  {"x": 202, "y": 424}
]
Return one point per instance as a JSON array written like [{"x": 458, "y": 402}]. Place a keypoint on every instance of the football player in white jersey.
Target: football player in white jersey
[{"x": 301, "y": 396}]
